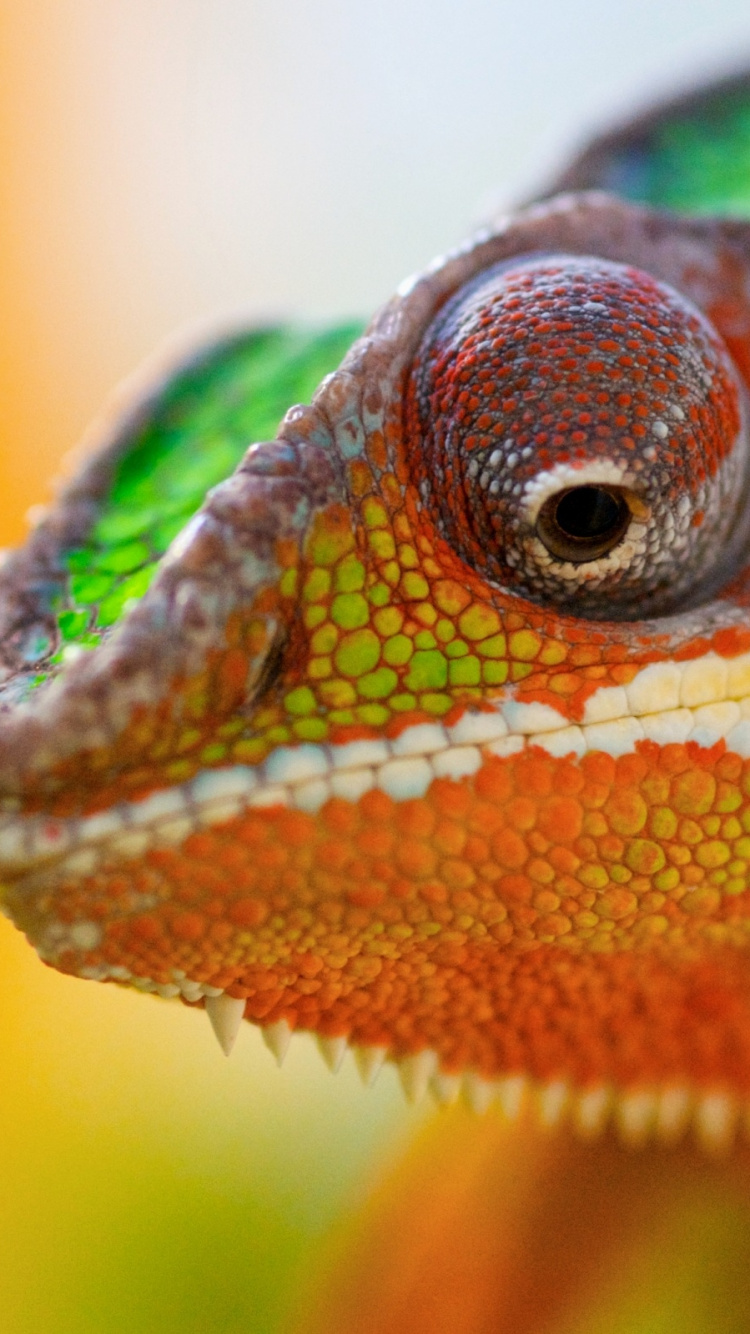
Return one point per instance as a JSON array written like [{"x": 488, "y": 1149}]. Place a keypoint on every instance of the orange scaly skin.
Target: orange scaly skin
[{"x": 330, "y": 769}]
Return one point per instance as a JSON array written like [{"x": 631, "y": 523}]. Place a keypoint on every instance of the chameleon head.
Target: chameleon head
[
  {"x": 431, "y": 733},
  {"x": 580, "y": 429}
]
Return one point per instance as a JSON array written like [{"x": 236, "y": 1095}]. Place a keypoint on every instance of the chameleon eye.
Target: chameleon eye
[
  {"x": 578, "y": 427},
  {"x": 583, "y": 523}
]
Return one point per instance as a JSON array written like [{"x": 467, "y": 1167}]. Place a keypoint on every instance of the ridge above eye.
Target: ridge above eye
[{"x": 577, "y": 429}]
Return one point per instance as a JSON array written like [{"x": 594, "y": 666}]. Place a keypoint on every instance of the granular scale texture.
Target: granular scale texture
[{"x": 555, "y": 373}]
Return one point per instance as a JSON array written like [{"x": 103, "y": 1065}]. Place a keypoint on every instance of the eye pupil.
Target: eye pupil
[
  {"x": 589, "y": 512},
  {"x": 583, "y": 523}
]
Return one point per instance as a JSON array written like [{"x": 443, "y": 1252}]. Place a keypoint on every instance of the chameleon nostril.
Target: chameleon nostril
[{"x": 577, "y": 428}]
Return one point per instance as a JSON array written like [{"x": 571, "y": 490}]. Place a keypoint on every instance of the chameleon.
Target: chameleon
[{"x": 422, "y": 722}]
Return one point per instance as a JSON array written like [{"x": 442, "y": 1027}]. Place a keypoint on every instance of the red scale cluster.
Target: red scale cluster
[{"x": 557, "y": 916}]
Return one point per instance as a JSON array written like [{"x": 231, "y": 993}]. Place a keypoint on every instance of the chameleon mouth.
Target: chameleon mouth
[
  {"x": 40, "y": 854},
  {"x": 704, "y": 701}
]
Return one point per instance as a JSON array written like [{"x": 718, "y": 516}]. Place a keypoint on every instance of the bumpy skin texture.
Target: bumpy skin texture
[
  {"x": 335, "y": 766},
  {"x": 538, "y": 371}
]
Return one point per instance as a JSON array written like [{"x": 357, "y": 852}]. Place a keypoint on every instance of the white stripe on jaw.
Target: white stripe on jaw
[{"x": 704, "y": 700}]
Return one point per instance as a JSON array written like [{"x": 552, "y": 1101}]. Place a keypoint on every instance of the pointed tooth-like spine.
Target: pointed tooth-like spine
[
  {"x": 673, "y": 1112},
  {"x": 591, "y": 1109},
  {"x": 552, "y": 1102},
  {"x": 226, "y": 1014},
  {"x": 277, "y": 1038},
  {"x": 333, "y": 1051},
  {"x": 143, "y": 984},
  {"x": 445, "y": 1089},
  {"x": 511, "y": 1093},
  {"x": 369, "y": 1062},
  {"x": 635, "y": 1116},
  {"x": 415, "y": 1073},
  {"x": 715, "y": 1121},
  {"x": 479, "y": 1092}
]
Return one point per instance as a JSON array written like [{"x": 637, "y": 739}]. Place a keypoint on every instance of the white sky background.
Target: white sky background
[
  {"x": 297, "y": 156},
  {"x": 307, "y": 154}
]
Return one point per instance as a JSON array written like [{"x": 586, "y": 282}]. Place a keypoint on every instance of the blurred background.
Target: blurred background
[{"x": 179, "y": 162}]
